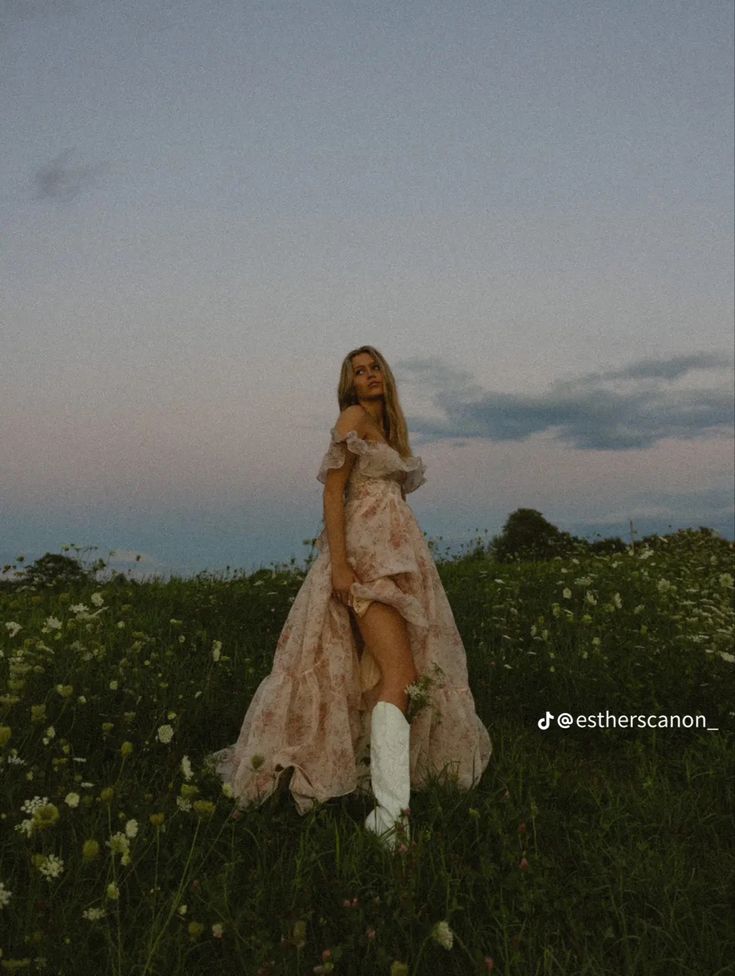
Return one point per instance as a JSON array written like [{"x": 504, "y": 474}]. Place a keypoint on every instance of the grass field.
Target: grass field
[{"x": 582, "y": 852}]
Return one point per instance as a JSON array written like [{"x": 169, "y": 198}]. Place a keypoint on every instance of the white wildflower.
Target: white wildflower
[
  {"x": 51, "y": 867},
  {"x": 165, "y": 733},
  {"x": 118, "y": 843},
  {"x": 94, "y": 914},
  {"x": 5, "y": 895},
  {"x": 30, "y": 806},
  {"x": 442, "y": 934}
]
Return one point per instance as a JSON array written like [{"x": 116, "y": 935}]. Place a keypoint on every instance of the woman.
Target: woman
[{"x": 369, "y": 667}]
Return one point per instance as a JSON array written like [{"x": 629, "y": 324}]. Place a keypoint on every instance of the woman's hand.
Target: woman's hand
[{"x": 343, "y": 576}]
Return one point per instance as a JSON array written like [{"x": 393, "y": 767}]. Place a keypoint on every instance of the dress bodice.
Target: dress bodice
[{"x": 376, "y": 461}]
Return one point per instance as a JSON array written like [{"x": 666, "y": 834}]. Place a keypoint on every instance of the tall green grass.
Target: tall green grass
[{"x": 585, "y": 851}]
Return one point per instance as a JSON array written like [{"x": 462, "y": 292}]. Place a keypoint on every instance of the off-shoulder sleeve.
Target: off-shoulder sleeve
[
  {"x": 415, "y": 476},
  {"x": 337, "y": 451}
]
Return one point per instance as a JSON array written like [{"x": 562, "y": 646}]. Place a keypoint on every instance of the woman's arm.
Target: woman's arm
[
  {"x": 334, "y": 519},
  {"x": 351, "y": 418},
  {"x": 343, "y": 575}
]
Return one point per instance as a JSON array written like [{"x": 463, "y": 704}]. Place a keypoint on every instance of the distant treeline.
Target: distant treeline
[{"x": 525, "y": 536}]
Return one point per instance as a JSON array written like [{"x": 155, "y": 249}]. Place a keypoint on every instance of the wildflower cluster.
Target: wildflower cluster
[{"x": 419, "y": 693}]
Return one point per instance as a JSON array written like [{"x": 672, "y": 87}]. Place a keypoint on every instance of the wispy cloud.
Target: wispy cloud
[
  {"x": 628, "y": 408},
  {"x": 61, "y": 180},
  {"x": 669, "y": 369}
]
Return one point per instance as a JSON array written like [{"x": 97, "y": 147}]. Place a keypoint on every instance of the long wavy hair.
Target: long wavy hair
[{"x": 394, "y": 421}]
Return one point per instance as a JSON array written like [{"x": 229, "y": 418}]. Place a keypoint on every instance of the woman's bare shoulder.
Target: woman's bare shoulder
[{"x": 351, "y": 418}]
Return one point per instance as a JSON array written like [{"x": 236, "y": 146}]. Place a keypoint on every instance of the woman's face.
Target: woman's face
[{"x": 367, "y": 377}]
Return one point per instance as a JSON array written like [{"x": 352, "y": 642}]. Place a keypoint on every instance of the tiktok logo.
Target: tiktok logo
[{"x": 545, "y": 722}]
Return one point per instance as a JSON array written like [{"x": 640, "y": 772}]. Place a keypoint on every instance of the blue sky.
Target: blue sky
[{"x": 527, "y": 207}]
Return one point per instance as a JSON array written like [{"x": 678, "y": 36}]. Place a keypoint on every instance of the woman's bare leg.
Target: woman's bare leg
[{"x": 386, "y": 636}]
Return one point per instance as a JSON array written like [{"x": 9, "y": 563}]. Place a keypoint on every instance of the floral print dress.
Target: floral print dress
[{"x": 310, "y": 717}]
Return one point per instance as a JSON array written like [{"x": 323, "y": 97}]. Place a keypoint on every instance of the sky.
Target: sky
[{"x": 526, "y": 207}]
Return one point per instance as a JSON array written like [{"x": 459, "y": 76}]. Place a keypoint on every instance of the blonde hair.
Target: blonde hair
[{"x": 394, "y": 421}]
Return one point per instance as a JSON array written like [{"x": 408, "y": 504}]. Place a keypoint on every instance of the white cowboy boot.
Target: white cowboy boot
[{"x": 390, "y": 772}]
